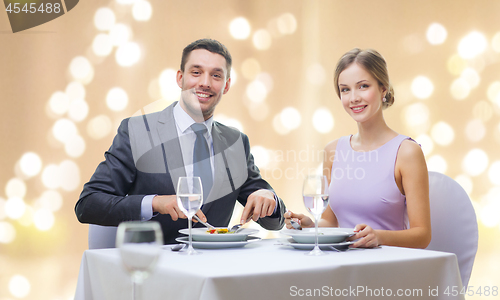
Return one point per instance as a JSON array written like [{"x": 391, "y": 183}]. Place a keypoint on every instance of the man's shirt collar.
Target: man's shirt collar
[{"x": 184, "y": 121}]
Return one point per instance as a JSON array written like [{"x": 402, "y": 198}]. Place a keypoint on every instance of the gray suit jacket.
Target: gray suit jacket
[{"x": 146, "y": 159}]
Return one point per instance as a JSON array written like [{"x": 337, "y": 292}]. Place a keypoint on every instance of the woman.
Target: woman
[{"x": 378, "y": 178}]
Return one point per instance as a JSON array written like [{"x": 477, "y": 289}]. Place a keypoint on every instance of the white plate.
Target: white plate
[
  {"x": 218, "y": 245},
  {"x": 201, "y": 235},
  {"x": 301, "y": 246},
  {"x": 327, "y": 235}
]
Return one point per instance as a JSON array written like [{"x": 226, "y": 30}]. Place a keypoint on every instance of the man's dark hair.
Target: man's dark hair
[{"x": 209, "y": 45}]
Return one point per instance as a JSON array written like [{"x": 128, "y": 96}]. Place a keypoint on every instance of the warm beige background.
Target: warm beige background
[{"x": 34, "y": 64}]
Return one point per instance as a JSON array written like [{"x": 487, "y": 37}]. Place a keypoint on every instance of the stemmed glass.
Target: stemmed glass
[
  {"x": 315, "y": 193},
  {"x": 189, "y": 200},
  {"x": 140, "y": 246}
]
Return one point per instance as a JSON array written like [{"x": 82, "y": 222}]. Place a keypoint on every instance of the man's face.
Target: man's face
[{"x": 203, "y": 83}]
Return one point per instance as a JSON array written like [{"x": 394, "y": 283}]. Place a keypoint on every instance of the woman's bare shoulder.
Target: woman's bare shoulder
[
  {"x": 332, "y": 145},
  {"x": 410, "y": 149},
  {"x": 330, "y": 150}
]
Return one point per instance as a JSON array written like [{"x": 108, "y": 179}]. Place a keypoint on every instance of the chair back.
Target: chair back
[
  {"x": 101, "y": 236},
  {"x": 453, "y": 221}
]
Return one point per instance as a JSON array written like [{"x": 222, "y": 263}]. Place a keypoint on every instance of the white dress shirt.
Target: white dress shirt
[{"x": 187, "y": 137}]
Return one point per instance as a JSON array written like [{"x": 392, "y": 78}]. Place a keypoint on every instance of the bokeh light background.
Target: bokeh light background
[{"x": 65, "y": 85}]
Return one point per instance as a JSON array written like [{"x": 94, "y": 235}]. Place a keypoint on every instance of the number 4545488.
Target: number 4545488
[
  {"x": 32, "y": 8},
  {"x": 472, "y": 291}
]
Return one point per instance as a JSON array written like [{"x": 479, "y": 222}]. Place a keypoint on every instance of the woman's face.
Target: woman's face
[{"x": 360, "y": 93}]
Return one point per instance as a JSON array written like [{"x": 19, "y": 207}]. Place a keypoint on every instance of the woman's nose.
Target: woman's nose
[{"x": 355, "y": 96}]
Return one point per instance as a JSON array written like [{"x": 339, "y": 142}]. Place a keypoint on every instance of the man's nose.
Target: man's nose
[{"x": 205, "y": 80}]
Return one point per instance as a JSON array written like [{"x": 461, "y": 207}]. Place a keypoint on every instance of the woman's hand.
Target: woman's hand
[
  {"x": 367, "y": 235},
  {"x": 302, "y": 219}
]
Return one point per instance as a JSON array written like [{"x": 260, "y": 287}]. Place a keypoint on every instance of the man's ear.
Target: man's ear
[
  {"x": 179, "y": 76},
  {"x": 228, "y": 85}
]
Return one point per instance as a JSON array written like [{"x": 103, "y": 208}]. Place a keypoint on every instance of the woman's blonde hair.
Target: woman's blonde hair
[{"x": 371, "y": 61}]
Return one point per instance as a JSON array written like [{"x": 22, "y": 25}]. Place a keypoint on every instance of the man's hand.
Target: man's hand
[
  {"x": 260, "y": 204},
  {"x": 167, "y": 205}
]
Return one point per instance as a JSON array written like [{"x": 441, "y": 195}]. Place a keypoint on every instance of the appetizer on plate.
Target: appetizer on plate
[{"x": 219, "y": 231}]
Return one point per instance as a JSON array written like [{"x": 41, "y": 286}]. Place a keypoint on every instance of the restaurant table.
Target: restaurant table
[{"x": 268, "y": 269}]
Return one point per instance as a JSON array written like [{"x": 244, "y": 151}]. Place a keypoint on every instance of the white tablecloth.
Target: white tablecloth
[{"x": 267, "y": 270}]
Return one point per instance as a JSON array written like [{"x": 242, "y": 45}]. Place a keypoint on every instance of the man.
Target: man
[{"x": 138, "y": 178}]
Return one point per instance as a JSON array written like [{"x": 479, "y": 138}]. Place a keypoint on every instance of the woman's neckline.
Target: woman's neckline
[{"x": 350, "y": 145}]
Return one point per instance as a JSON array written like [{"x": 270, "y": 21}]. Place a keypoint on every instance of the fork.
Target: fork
[
  {"x": 178, "y": 247},
  {"x": 204, "y": 223},
  {"x": 335, "y": 249},
  {"x": 238, "y": 227},
  {"x": 295, "y": 224}
]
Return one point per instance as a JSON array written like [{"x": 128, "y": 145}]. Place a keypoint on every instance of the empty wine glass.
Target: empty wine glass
[
  {"x": 315, "y": 193},
  {"x": 140, "y": 246},
  {"x": 189, "y": 200}
]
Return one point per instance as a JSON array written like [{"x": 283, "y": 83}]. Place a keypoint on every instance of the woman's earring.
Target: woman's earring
[{"x": 384, "y": 100}]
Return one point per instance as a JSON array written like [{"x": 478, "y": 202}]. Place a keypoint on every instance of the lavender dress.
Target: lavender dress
[{"x": 363, "y": 188}]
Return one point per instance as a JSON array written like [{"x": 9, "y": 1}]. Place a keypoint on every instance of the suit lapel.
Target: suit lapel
[{"x": 167, "y": 131}]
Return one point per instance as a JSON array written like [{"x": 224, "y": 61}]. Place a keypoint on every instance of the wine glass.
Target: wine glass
[
  {"x": 140, "y": 246},
  {"x": 315, "y": 193},
  {"x": 189, "y": 200}
]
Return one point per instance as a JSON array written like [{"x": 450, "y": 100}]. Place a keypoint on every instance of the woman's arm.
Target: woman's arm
[{"x": 328, "y": 218}]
